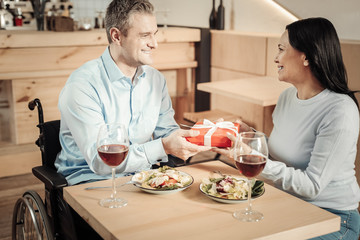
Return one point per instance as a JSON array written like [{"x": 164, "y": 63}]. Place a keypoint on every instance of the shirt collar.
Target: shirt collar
[{"x": 115, "y": 73}]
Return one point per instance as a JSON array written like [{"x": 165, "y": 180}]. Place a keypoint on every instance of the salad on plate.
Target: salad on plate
[
  {"x": 163, "y": 178},
  {"x": 230, "y": 188}
]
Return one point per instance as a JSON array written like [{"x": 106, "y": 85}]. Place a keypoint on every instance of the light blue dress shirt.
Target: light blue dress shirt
[{"x": 97, "y": 93}]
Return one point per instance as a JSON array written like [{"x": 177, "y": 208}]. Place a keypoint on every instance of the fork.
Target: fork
[
  {"x": 129, "y": 182},
  {"x": 217, "y": 171}
]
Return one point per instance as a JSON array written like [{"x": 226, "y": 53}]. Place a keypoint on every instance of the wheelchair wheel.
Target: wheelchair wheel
[{"x": 30, "y": 220}]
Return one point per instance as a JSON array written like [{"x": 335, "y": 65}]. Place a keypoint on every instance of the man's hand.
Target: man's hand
[{"x": 176, "y": 144}]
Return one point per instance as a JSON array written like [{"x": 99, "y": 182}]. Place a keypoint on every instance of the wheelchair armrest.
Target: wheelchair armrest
[{"x": 49, "y": 176}]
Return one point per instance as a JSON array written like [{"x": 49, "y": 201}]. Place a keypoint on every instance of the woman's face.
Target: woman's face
[{"x": 290, "y": 62}]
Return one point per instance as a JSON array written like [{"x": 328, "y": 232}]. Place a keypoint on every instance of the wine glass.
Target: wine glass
[
  {"x": 113, "y": 147},
  {"x": 250, "y": 155}
]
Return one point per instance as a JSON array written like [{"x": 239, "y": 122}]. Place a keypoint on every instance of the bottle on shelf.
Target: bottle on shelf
[
  {"x": 50, "y": 17},
  {"x": 18, "y": 20},
  {"x": 99, "y": 20},
  {"x": 71, "y": 12},
  {"x": 220, "y": 23},
  {"x": 213, "y": 17}
]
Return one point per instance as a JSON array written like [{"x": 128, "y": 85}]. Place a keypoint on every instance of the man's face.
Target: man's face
[{"x": 137, "y": 46}]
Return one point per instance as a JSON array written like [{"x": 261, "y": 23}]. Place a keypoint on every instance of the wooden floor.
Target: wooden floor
[{"x": 12, "y": 188}]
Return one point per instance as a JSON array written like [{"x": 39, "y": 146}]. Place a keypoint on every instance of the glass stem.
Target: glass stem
[
  {"x": 249, "y": 196},
  {"x": 113, "y": 195}
]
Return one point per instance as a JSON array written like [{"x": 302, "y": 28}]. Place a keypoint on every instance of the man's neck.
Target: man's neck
[{"x": 126, "y": 68}]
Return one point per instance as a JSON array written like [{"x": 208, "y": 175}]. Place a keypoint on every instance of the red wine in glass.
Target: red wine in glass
[
  {"x": 250, "y": 165},
  {"x": 250, "y": 155},
  {"x": 113, "y": 147},
  {"x": 113, "y": 154}
]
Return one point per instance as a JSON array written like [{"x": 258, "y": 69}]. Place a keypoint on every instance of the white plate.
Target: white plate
[
  {"x": 166, "y": 191},
  {"x": 224, "y": 200}
]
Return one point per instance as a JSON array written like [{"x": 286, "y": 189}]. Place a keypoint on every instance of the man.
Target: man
[{"x": 120, "y": 87}]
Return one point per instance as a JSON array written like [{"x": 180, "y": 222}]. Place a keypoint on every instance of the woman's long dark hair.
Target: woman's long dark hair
[{"x": 317, "y": 38}]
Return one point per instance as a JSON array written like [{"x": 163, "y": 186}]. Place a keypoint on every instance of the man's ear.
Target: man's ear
[{"x": 115, "y": 35}]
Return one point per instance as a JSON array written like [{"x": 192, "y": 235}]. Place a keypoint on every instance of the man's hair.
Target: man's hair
[{"x": 119, "y": 12}]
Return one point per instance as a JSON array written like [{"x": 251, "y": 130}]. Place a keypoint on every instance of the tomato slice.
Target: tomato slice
[{"x": 170, "y": 182}]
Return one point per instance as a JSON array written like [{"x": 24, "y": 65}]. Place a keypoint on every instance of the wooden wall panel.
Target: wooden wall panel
[
  {"x": 47, "y": 90},
  {"x": 26, "y": 130},
  {"x": 42, "y": 59},
  {"x": 27, "y": 38},
  {"x": 238, "y": 52},
  {"x": 219, "y": 74},
  {"x": 271, "y": 51},
  {"x": 250, "y": 113},
  {"x": 184, "y": 101},
  {"x": 351, "y": 55},
  {"x": 6, "y": 130},
  {"x": 20, "y": 159},
  {"x": 174, "y": 53},
  {"x": 170, "y": 77}
]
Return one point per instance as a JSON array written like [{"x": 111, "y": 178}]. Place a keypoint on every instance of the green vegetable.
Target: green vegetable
[
  {"x": 164, "y": 168},
  {"x": 216, "y": 180},
  {"x": 258, "y": 188}
]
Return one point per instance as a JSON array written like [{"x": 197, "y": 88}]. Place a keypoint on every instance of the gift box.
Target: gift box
[{"x": 214, "y": 134}]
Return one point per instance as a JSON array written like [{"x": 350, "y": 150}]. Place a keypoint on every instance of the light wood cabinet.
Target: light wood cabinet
[
  {"x": 37, "y": 65},
  {"x": 237, "y": 55}
]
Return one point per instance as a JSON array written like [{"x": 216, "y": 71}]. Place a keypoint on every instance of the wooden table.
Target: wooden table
[
  {"x": 253, "y": 98},
  {"x": 191, "y": 215}
]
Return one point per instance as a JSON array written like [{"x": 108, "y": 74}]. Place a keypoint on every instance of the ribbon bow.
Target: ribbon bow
[{"x": 213, "y": 126}]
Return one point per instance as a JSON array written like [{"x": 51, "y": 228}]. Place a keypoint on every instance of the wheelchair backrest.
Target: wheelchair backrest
[{"x": 49, "y": 142}]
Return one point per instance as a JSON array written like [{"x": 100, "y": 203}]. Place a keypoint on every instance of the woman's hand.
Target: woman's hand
[
  {"x": 229, "y": 152},
  {"x": 226, "y": 151},
  {"x": 244, "y": 127}
]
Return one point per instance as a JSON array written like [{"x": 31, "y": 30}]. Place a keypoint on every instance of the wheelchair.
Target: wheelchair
[{"x": 53, "y": 218}]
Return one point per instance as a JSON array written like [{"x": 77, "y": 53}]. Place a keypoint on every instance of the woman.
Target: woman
[{"x": 316, "y": 125}]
